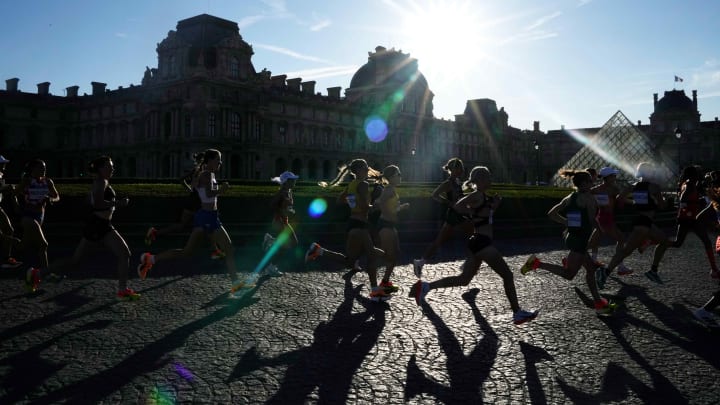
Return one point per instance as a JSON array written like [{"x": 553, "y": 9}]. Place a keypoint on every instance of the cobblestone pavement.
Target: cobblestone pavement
[{"x": 312, "y": 336}]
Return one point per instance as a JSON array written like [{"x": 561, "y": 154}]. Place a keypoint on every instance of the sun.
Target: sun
[{"x": 445, "y": 37}]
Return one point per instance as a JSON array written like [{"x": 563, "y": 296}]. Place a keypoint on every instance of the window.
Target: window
[
  {"x": 234, "y": 68},
  {"x": 187, "y": 125},
  {"x": 234, "y": 125},
  {"x": 211, "y": 125}
]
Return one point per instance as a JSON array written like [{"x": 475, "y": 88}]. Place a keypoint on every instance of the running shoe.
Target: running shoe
[
  {"x": 268, "y": 241},
  {"x": 653, "y": 276},
  {"x": 624, "y": 270},
  {"x": 378, "y": 294},
  {"x": 313, "y": 252},
  {"x": 522, "y": 316},
  {"x": 389, "y": 287},
  {"x": 32, "y": 279},
  {"x": 706, "y": 317},
  {"x": 146, "y": 263},
  {"x": 150, "y": 236},
  {"x": 532, "y": 263},
  {"x": 419, "y": 290},
  {"x": 717, "y": 245},
  {"x": 605, "y": 307},
  {"x": 601, "y": 277},
  {"x": 11, "y": 263},
  {"x": 418, "y": 267},
  {"x": 217, "y": 254},
  {"x": 128, "y": 294}
]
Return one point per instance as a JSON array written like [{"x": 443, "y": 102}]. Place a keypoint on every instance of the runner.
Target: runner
[
  {"x": 359, "y": 241},
  {"x": 388, "y": 203},
  {"x": 282, "y": 205},
  {"x": 479, "y": 207},
  {"x": 447, "y": 193},
  {"x": 206, "y": 223},
  {"x": 100, "y": 230},
  {"x": 36, "y": 191},
  {"x": 577, "y": 212},
  {"x": 7, "y": 232}
]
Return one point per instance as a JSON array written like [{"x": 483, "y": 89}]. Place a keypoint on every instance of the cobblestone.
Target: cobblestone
[{"x": 313, "y": 336}]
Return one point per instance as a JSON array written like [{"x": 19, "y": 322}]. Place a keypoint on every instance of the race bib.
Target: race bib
[
  {"x": 574, "y": 219},
  {"x": 641, "y": 197},
  {"x": 602, "y": 199},
  {"x": 351, "y": 201}
]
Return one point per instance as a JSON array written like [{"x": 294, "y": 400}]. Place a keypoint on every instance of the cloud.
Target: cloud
[
  {"x": 322, "y": 24},
  {"x": 542, "y": 20},
  {"x": 584, "y": 2},
  {"x": 318, "y": 73},
  {"x": 291, "y": 53},
  {"x": 121, "y": 35},
  {"x": 250, "y": 20}
]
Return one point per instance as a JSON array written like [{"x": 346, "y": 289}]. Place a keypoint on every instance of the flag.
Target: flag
[{"x": 678, "y": 79}]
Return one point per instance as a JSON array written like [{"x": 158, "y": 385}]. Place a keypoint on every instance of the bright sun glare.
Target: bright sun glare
[{"x": 445, "y": 37}]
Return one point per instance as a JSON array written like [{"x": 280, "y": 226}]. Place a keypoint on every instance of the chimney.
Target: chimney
[
  {"x": 72, "y": 91},
  {"x": 536, "y": 126},
  {"x": 654, "y": 100},
  {"x": 334, "y": 92},
  {"x": 695, "y": 99},
  {"x": 638, "y": 122},
  {"x": 278, "y": 81},
  {"x": 43, "y": 88},
  {"x": 98, "y": 88},
  {"x": 294, "y": 84},
  {"x": 12, "y": 84},
  {"x": 308, "y": 87}
]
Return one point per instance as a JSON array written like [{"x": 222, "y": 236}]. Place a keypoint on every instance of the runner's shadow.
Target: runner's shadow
[
  {"x": 28, "y": 370},
  {"x": 339, "y": 348},
  {"x": 154, "y": 356},
  {"x": 534, "y": 354},
  {"x": 466, "y": 374}
]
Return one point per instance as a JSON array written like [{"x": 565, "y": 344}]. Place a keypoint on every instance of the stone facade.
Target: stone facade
[{"x": 206, "y": 93}]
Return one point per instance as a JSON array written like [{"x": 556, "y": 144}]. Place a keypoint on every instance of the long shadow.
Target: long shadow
[
  {"x": 534, "y": 354},
  {"x": 466, "y": 374},
  {"x": 339, "y": 348},
  {"x": 618, "y": 382},
  {"x": 28, "y": 369},
  {"x": 70, "y": 301},
  {"x": 95, "y": 388}
]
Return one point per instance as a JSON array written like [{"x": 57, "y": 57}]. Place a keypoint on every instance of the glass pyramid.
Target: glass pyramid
[{"x": 618, "y": 144}]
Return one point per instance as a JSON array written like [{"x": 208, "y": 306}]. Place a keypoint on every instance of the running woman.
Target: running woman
[
  {"x": 359, "y": 241},
  {"x": 479, "y": 207},
  {"x": 7, "y": 232},
  {"x": 691, "y": 203},
  {"x": 282, "y": 205},
  {"x": 206, "y": 222},
  {"x": 388, "y": 203},
  {"x": 647, "y": 199},
  {"x": 577, "y": 212},
  {"x": 36, "y": 191},
  {"x": 99, "y": 228},
  {"x": 447, "y": 193},
  {"x": 608, "y": 195},
  {"x": 705, "y": 313},
  {"x": 190, "y": 206}
]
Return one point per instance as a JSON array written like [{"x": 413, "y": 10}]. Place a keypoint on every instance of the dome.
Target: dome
[
  {"x": 388, "y": 67},
  {"x": 675, "y": 101}
]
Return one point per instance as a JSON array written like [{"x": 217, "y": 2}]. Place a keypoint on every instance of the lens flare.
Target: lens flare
[
  {"x": 375, "y": 128},
  {"x": 317, "y": 207}
]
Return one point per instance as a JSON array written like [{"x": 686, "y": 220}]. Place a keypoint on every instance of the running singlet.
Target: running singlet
[
  {"x": 578, "y": 222},
  {"x": 36, "y": 192},
  {"x": 108, "y": 195},
  {"x": 641, "y": 195},
  {"x": 691, "y": 204},
  {"x": 480, "y": 220},
  {"x": 351, "y": 198},
  {"x": 203, "y": 194},
  {"x": 455, "y": 192}
]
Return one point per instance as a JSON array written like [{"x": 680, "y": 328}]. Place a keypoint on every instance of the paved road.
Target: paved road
[{"x": 311, "y": 336}]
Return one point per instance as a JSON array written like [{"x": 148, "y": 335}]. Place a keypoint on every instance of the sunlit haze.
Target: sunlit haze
[{"x": 561, "y": 62}]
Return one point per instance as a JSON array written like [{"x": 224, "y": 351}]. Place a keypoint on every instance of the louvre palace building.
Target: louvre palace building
[{"x": 206, "y": 93}]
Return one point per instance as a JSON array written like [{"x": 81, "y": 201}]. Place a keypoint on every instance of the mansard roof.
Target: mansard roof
[
  {"x": 675, "y": 101},
  {"x": 206, "y": 30}
]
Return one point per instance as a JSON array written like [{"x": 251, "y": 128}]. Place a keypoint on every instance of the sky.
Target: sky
[{"x": 571, "y": 63}]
